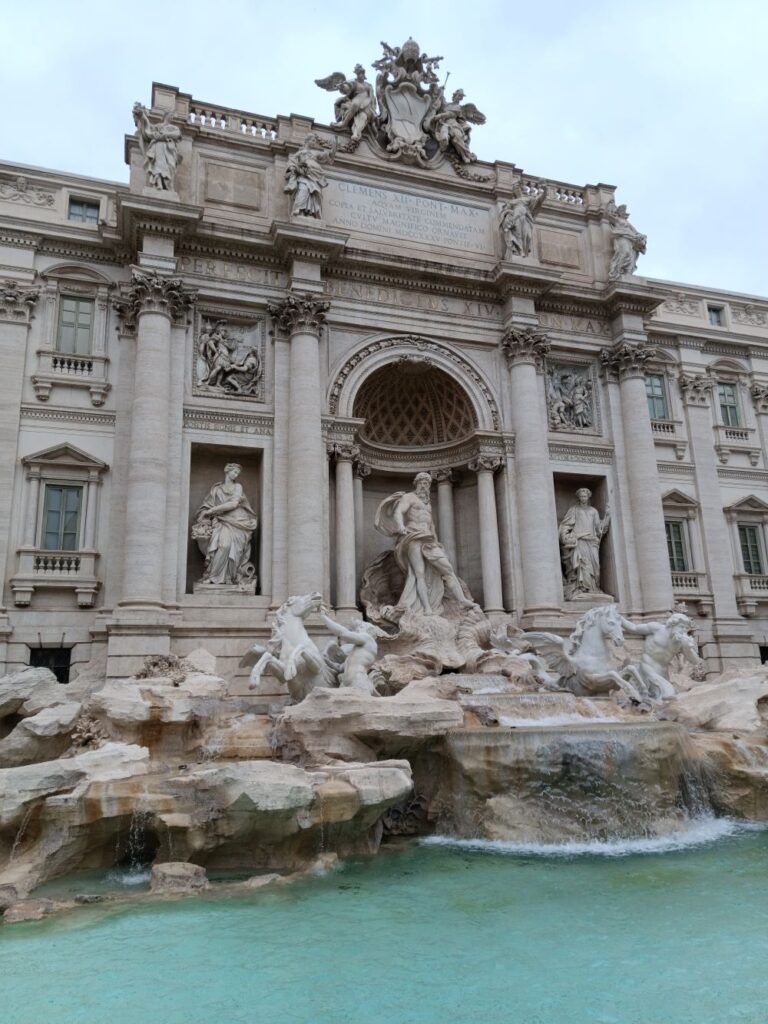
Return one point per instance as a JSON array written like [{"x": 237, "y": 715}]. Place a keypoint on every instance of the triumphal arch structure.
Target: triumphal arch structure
[{"x": 216, "y": 372}]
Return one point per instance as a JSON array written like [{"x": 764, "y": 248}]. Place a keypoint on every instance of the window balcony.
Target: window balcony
[
  {"x": 40, "y": 569},
  {"x": 692, "y": 588},
  {"x": 751, "y": 591},
  {"x": 736, "y": 440},
  {"x": 67, "y": 368},
  {"x": 670, "y": 433}
]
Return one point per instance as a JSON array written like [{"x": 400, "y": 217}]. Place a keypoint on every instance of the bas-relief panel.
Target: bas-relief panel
[{"x": 415, "y": 218}]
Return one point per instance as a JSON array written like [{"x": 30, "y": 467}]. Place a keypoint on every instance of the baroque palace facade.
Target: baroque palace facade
[{"x": 330, "y": 310}]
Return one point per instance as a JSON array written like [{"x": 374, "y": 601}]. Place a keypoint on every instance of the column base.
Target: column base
[
  {"x": 544, "y": 617},
  {"x": 137, "y": 631}
]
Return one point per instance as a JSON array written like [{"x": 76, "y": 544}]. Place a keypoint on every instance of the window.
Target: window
[
  {"x": 61, "y": 517},
  {"x": 729, "y": 406},
  {"x": 75, "y": 325},
  {"x": 57, "y": 659},
  {"x": 676, "y": 545},
  {"x": 84, "y": 212},
  {"x": 751, "y": 553},
  {"x": 715, "y": 315},
  {"x": 657, "y": 397}
]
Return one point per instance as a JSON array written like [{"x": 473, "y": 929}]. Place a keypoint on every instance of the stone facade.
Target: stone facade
[{"x": 334, "y": 309}]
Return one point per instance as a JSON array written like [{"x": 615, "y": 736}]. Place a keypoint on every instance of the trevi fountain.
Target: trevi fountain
[{"x": 430, "y": 730}]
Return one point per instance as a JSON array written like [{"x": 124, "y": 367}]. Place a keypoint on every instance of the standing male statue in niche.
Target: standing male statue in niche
[
  {"x": 407, "y": 516},
  {"x": 580, "y": 532}
]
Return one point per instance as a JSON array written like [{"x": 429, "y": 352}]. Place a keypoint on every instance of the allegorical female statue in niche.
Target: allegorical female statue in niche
[
  {"x": 581, "y": 531},
  {"x": 223, "y": 527}
]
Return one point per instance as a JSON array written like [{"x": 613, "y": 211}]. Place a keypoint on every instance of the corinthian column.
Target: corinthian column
[
  {"x": 490, "y": 555},
  {"x": 525, "y": 349},
  {"x": 446, "y": 522},
  {"x": 301, "y": 317},
  {"x": 345, "y": 455},
  {"x": 626, "y": 360},
  {"x": 152, "y": 303}
]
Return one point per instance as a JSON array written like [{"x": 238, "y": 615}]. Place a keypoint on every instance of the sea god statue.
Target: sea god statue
[{"x": 223, "y": 527}]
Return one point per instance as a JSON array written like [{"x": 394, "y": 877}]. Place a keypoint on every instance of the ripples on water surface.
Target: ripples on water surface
[{"x": 465, "y": 934}]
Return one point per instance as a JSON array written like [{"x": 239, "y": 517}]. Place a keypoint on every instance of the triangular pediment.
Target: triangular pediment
[
  {"x": 676, "y": 499},
  {"x": 64, "y": 455},
  {"x": 749, "y": 504}
]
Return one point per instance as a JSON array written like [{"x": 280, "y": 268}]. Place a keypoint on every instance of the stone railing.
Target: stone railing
[
  {"x": 58, "y": 570},
  {"x": 52, "y": 563},
  {"x": 665, "y": 427},
  {"x": 751, "y": 590},
  {"x": 670, "y": 432},
  {"x": 689, "y": 581},
  {"x": 729, "y": 440},
  {"x": 237, "y": 122},
  {"x": 88, "y": 371},
  {"x": 555, "y": 190}
]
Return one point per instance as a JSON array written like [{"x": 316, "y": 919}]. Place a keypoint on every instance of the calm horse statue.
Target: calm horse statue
[
  {"x": 290, "y": 654},
  {"x": 583, "y": 660}
]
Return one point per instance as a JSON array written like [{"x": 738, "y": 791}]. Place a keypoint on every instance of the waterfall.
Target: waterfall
[{"x": 587, "y": 780}]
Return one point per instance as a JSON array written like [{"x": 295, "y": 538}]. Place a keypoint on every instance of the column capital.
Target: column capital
[
  {"x": 442, "y": 476},
  {"x": 626, "y": 359},
  {"x": 526, "y": 344},
  {"x": 17, "y": 302},
  {"x": 299, "y": 311},
  {"x": 152, "y": 292},
  {"x": 342, "y": 452},
  {"x": 484, "y": 463},
  {"x": 695, "y": 388}
]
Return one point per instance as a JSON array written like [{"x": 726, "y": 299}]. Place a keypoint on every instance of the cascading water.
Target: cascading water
[{"x": 581, "y": 781}]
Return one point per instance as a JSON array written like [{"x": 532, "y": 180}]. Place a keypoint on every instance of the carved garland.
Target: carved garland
[{"x": 422, "y": 345}]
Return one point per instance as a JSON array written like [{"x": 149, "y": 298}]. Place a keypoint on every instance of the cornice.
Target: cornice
[
  {"x": 753, "y": 475},
  {"x": 228, "y": 421},
  {"x": 50, "y": 413},
  {"x": 348, "y": 271},
  {"x": 563, "y": 452}
]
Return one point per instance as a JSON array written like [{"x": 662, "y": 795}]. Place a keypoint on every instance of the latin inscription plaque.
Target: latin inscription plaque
[{"x": 384, "y": 211}]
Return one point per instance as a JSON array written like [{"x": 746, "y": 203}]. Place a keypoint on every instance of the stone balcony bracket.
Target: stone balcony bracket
[
  {"x": 693, "y": 589},
  {"x": 736, "y": 440},
  {"x": 751, "y": 591},
  {"x": 56, "y": 570},
  {"x": 66, "y": 369},
  {"x": 669, "y": 433}
]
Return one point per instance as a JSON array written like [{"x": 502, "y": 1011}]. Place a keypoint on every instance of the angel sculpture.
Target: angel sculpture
[
  {"x": 450, "y": 123},
  {"x": 356, "y": 107},
  {"x": 305, "y": 178},
  {"x": 628, "y": 243}
]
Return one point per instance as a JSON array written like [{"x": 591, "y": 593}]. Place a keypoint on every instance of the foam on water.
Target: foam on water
[
  {"x": 130, "y": 877},
  {"x": 511, "y": 722},
  {"x": 699, "y": 832}
]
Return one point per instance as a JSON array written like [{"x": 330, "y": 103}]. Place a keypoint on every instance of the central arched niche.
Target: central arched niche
[
  {"x": 412, "y": 404},
  {"x": 414, "y": 414}
]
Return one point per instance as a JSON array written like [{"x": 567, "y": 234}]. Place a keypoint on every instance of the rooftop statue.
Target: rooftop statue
[
  {"x": 305, "y": 178},
  {"x": 159, "y": 146},
  {"x": 628, "y": 243},
  {"x": 355, "y": 109},
  {"x": 414, "y": 121},
  {"x": 516, "y": 220}
]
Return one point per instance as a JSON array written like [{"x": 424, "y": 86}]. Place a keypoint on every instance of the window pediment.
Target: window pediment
[{"x": 64, "y": 456}]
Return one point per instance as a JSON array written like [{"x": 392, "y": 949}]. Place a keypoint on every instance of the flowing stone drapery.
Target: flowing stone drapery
[
  {"x": 345, "y": 455},
  {"x": 490, "y": 553},
  {"x": 627, "y": 360},
  {"x": 525, "y": 348},
  {"x": 301, "y": 316},
  {"x": 152, "y": 302},
  {"x": 446, "y": 522}
]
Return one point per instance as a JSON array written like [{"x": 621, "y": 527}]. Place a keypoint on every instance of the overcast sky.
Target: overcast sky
[{"x": 667, "y": 99}]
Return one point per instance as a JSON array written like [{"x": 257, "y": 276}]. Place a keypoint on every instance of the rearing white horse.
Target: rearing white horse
[
  {"x": 583, "y": 660},
  {"x": 290, "y": 654}
]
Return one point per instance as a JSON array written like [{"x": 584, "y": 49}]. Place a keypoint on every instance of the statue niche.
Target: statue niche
[{"x": 223, "y": 527}]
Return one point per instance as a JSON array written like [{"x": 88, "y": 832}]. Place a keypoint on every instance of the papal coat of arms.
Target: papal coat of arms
[{"x": 407, "y": 115}]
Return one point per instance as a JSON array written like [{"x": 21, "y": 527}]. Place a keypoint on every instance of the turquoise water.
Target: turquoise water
[{"x": 428, "y": 935}]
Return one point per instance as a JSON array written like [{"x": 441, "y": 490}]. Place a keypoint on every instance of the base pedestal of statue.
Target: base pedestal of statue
[
  {"x": 224, "y": 588},
  {"x": 581, "y": 603}
]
